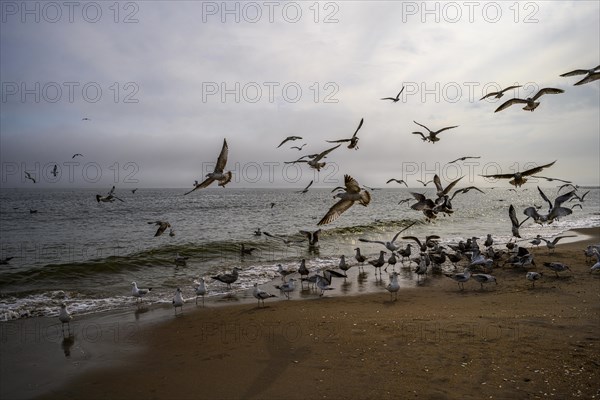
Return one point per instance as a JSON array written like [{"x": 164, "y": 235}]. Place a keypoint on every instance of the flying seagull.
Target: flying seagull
[
  {"x": 499, "y": 94},
  {"x": 162, "y": 226},
  {"x": 396, "y": 180},
  {"x": 514, "y": 221},
  {"x": 441, "y": 192},
  {"x": 463, "y": 159},
  {"x": 551, "y": 179},
  {"x": 299, "y": 148},
  {"x": 313, "y": 237},
  {"x": 287, "y": 139},
  {"x": 395, "y": 99},
  {"x": 424, "y": 183},
  {"x": 217, "y": 175},
  {"x": 432, "y": 136},
  {"x": 77, "y": 154},
  {"x": 352, "y": 194},
  {"x": 592, "y": 75},
  {"x": 517, "y": 179},
  {"x": 391, "y": 245},
  {"x": 305, "y": 189},
  {"x": 353, "y": 140},
  {"x": 28, "y": 176},
  {"x": 109, "y": 198},
  {"x": 555, "y": 210},
  {"x": 315, "y": 158},
  {"x": 530, "y": 103},
  {"x": 55, "y": 170},
  {"x": 86, "y": 119}
]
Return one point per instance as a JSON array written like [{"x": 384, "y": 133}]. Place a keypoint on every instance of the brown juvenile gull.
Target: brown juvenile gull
[
  {"x": 518, "y": 178},
  {"x": 353, "y": 140},
  {"x": 394, "y": 99},
  {"x": 109, "y": 198},
  {"x": 530, "y": 103},
  {"x": 499, "y": 94},
  {"x": 162, "y": 226},
  {"x": 352, "y": 194},
  {"x": 432, "y": 136},
  {"x": 217, "y": 175}
]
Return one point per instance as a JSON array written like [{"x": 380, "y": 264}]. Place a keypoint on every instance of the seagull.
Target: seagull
[
  {"x": 537, "y": 241},
  {"x": 28, "y": 176},
  {"x": 499, "y": 94},
  {"x": 109, "y": 198},
  {"x": 595, "y": 267},
  {"x": 463, "y": 159},
  {"x": 217, "y": 175},
  {"x": 591, "y": 75},
  {"x": 305, "y": 189},
  {"x": 178, "y": 301},
  {"x": 228, "y": 279},
  {"x": 550, "y": 179},
  {"x": 322, "y": 284},
  {"x": 391, "y": 245},
  {"x": 518, "y": 178},
  {"x": 404, "y": 201},
  {"x": 77, "y": 154},
  {"x": 484, "y": 278},
  {"x": 284, "y": 272},
  {"x": 343, "y": 265},
  {"x": 401, "y": 181},
  {"x": 395, "y": 99},
  {"x": 352, "y": 194},
  {"x": 85, "y": 119},
  {"x": 287, "y": 139},
  {"x": 428, "y": 241},
  {"x": 287, "y": 287},
  {"x": 200, "y": 289},
  {"x": 162, "y": 226},
  {"x": 465, "y": 190},
  {"x": 315, "y": 158},
  {"x": 353, "y": 140},
  {"x": 138, "y": 293},
  {"x": 65, "y": 317},
  {"x": 441, "y": 192},
  {"x": 392, "y": 261},
  {"x": 556, "y": 267},
  {"x": 313, "y": 237},
  {"x": 514, "y": 221},
  {"x": 531, "y": 103},
  {"x": 261, "y": 295},
  {"x": 432, "y": 136},
  {"x": 424, "y": 183},
  {"x": 284, "y": 240},
  {"x": 580, "y": 198},
  {"x": 555, "y": 210},
  {"x": 244, "y": 251},
  {"x": 133, "y": 190},
  {"x": 299, "y": 148},
  {"x": 55, "y": 170},
  {"x": 380, "y": 262},
  {"x": 421, "y": 269},
  {"x": 257, "y": 232},
  {"x": 533, "y": 276},
  {"x": 302, "y": 270},
  {"x": 460, "y": 278},
  {"x": 393, "y": 286},
  {"x": 171, "y": 232},
  {"x": 552, "y": 244},
  {"x": 359, "y": 257},
  {"x": 180, "y": 260}
]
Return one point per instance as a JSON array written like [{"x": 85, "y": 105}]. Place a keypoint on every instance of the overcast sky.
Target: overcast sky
[{"x": 163, "y": 83}]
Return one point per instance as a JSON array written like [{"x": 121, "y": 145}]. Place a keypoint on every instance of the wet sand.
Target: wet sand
[{"x": 506, "y": 341}]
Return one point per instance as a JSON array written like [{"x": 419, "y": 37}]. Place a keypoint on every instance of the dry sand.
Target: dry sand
[{"x": 507, "y": 341}]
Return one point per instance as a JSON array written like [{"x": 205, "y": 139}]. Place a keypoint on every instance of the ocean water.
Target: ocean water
[{"x": 87, "y": 253}]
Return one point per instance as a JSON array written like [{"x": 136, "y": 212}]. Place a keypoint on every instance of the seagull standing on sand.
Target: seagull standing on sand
[
  {"x": 261, "y": 295},
  {"x": 393, "y": 286},
  {"x": 484, "y": 278},
  {"x": 284, "y": 272},
  {"x": 380, "y": 262},
  {"x": 460, "y": 278},
  {"x": 218, "y": 175},
  {"x": 557, "y": 267},
  {"x": 178, "y": 301},
  {"x": 200, "y": 290},
  {"x": 65, "y": 317},
  {"x": 352, "y": 194},
  {"x": 533, "y": 276},
  {"x": 530, "y": 103},
  {"x": 138, "y": 293}
]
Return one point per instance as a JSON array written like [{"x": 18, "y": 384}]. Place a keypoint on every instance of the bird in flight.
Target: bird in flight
[
  {"x": 591, "y": 75},
  {"x": 217, "y": 175},
  {"x": 432, "y": 136},
  {"x": 424, "y": 183},
  {"x": 28, "y": 176},
  {"x": 395, "y": 99},
  {"x": 441, "y": 192},
  {"x": 551, "y": 179},
  {"x": 499, "y": 94},
  {"x": 518, "y": 178},
  {"x": 530, "y": 103},
  {"x": 401, "y": 181},
  {"x": 299, "y": 148},
  {"x": 77, "y": 154},
  {"x": 55, "y": 170},
  {"x": 162, "y": 226},
  {"x": 315, "y": 158},
  {"x": 305, "y": 189},
  {"x": 514, "y": 221},
  {"x": 109, "y": 198},
  {"x": 86, "y": 119},
  {"x": 353, "y": 140},
  {"x": 351, "y": 194},
  {"x": 463, "y": 159},
  {"x": 287, "y": 139},
  {"x": 554, "y": 210}
]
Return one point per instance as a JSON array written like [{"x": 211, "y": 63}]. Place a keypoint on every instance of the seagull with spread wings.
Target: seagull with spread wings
[
  {"x": 591, "y": 75},
  {"x": 514, "y": 221},
  {"x": 530, "y": 103},
  {"x": 391, "y": 245},
  {"x": 432, "y": 136},
  {"x": 441, "y": 192},
  {"x": 394, "y": 99},
  {"x": 463, "y": 159},
  {"x": 109, "y": 198},
  {"x": 518, "y": 178},
  {"x": 425, "y": 183},
  {"x": 287, "y": 139},
  {"x": 314, "y": 159},
  {"x": 353, "y": 140},
  {"x": 217, "y": 175},
  {"x": 555, "y": 209},
  {"x": 352, "y": 194},
  {"x": 28, "y": 176},
  {"x": 399, "y": 181},
  {"x": 162, "y": 226},
  {"x": 305, "y": 189},
  {"x": 499, "y": 94}
]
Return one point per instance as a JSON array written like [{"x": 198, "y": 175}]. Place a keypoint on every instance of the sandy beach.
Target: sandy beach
[{"x": 506, "y": 341}]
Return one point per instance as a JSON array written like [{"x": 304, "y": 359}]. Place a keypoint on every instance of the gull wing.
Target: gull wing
[
  {"x": 338, "y": 141},
  {"x": 445, "y": 129},
  {"x": 544, "y": 91},
  {"x": 335, "y": 211},
  {"x": 323, "y": 154},
  {"x": 561, "y": 199},
  {"x": 309, "y": 185},
  {"x": 428, "y": 130},
  {"x": 499, "y": 176},
  {"x": 489, "y": 95},
  {"x": 371, "y": 241},
  {"x": 420, "y": 133},
  {"x": 536, "y": 169},
  {"x": 509, "y": 103},
  {"x": 590, "y": 78},
  {"x": 545, "y": 198},
  {"x": 450, "y": 186},
  {"x": 201, "y": 185},
  {"x": 438, "y": 183},
  {"x": 222, "y": 160},
  {"x": 359, "y": 126},
  {"x": 416, "y": 239},
  {"x": 351, "y": 184},
  {"x": 399, "y": 93},
  {"x": 575, "y": 72},
  {"x": 397, "y": 234},
  {"x": 513, "y": 215}
]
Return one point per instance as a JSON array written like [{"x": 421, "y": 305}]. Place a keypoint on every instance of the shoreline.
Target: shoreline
[{"x": 117, "y": 341}]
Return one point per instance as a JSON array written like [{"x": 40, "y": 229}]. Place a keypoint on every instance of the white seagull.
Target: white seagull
[
  {"x": 200, "y": 289},
  {"x": 393, "y": 286},
  {"x": 65, "y": 317},
  {"x": 137, "y": 292},
  {"x": 178, "y": 301},
  {"x": 261, "y": 295},
  {"x": 530, "y": 103},
  {"x": 287, "y": 287}
]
